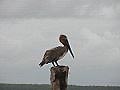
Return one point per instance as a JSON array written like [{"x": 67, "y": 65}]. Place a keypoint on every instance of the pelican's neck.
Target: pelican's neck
[{"x": 65, "y": 46}]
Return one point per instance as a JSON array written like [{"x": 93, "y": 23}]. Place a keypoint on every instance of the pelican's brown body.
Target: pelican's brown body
[{"x": 55, "y": 54}]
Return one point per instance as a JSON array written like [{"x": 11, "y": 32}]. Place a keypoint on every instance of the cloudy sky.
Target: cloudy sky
[{"x": 29, "y": 27}]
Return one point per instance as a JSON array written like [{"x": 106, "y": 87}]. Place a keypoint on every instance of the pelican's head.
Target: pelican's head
[{"x": 63, "y": 39}]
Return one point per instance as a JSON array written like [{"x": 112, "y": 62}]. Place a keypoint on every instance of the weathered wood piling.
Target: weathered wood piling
[{"x": 59, "y": 77}]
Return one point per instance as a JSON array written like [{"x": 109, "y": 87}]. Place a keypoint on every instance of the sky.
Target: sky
[{"x": 28, "y": 28}]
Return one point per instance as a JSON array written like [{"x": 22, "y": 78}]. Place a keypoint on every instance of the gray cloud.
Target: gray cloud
[{"x": 59, "y": 8}]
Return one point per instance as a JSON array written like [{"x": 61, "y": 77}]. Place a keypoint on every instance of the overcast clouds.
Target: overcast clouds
[
  {"x": 28, "y": 28},
  {"x": 59, "y": 8}
]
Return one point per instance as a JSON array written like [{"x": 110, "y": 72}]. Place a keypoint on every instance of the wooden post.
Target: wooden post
[{"x": 58, "y": 78}]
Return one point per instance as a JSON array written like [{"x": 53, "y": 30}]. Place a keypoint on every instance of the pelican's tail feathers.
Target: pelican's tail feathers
[{"x": 42, "y": 63}]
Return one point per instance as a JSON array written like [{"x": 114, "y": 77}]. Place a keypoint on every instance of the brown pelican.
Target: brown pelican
[{"x": 55, "y": 54}]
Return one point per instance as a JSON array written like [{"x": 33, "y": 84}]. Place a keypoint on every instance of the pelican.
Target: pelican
[{"x": 57, "y": 53}]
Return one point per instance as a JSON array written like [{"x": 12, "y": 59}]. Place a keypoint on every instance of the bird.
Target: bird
[{"x": 57, "y": 53}]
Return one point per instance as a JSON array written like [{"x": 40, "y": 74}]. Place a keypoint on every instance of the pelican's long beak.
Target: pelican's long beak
[{"x": 68, "y": 45}]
